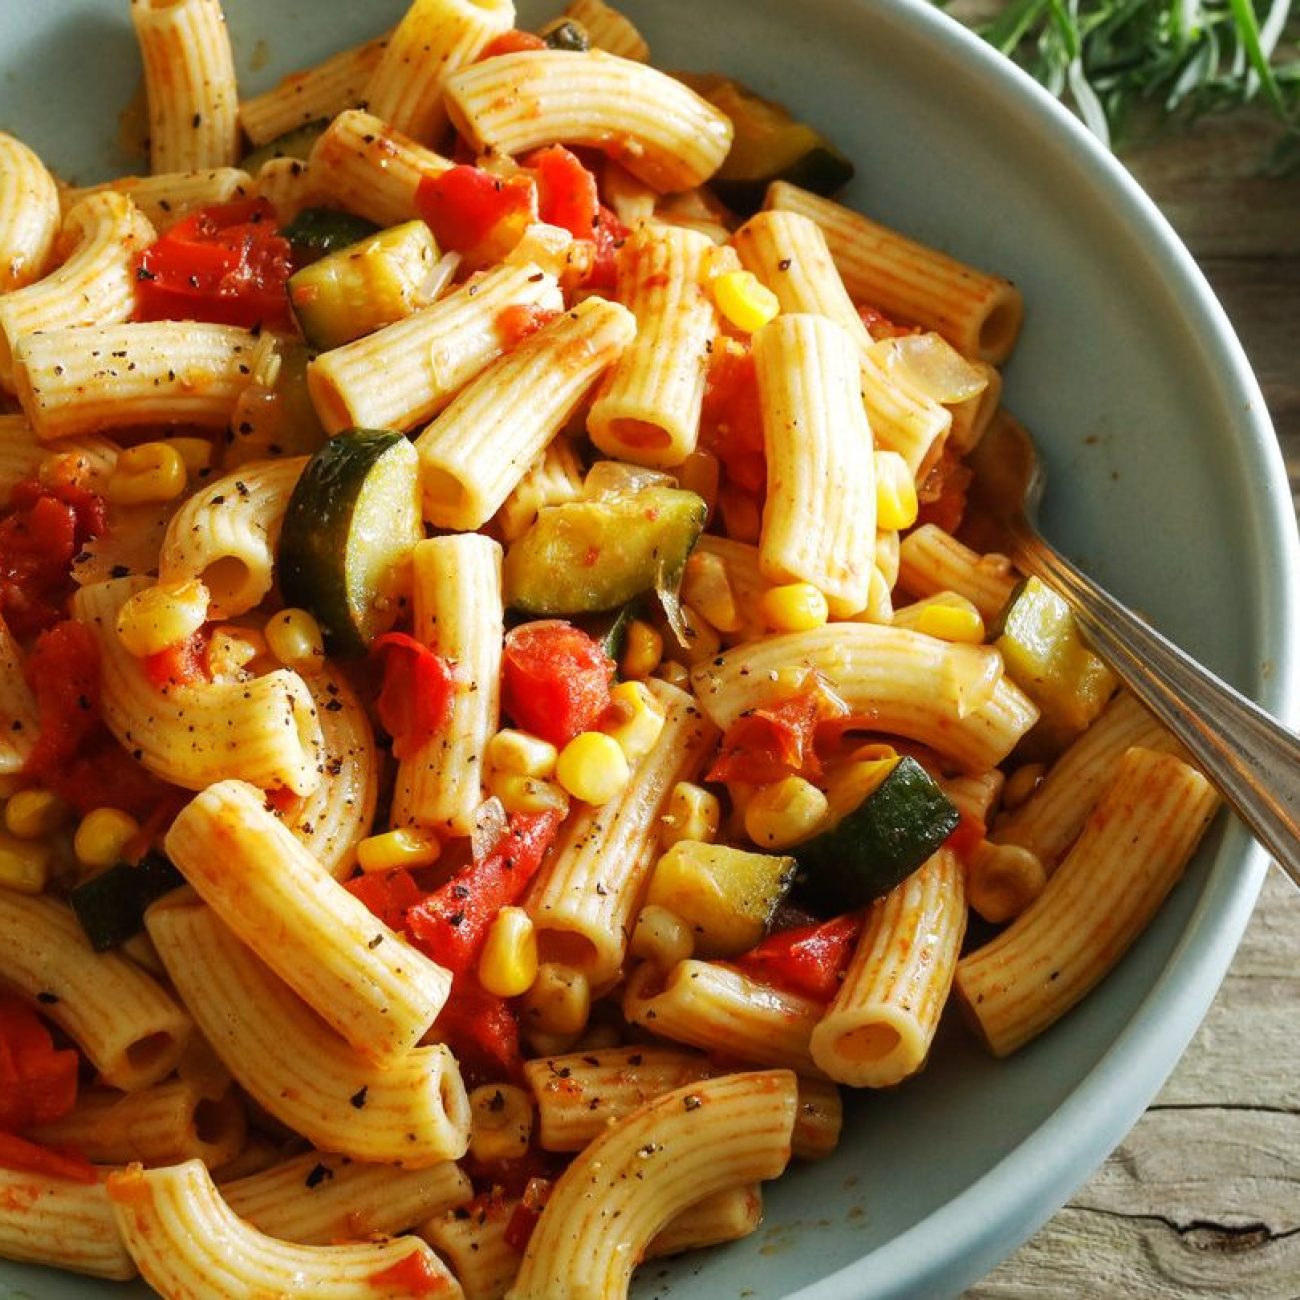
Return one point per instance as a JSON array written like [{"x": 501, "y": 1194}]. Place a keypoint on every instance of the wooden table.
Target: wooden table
[{"x": 1202, "y": 1199}]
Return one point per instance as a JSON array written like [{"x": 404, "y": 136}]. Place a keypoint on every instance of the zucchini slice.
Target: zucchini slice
[
  {"x": 315, "y": 232},
  {"x": 295, "y": 143},
  {"x": 585, "y": 556},
  {"x": 111, "y": 905},
  {"x": 345, "y": 547},
  {"x": 770, "y": 145},
  {"x": 882, "y": 841}
]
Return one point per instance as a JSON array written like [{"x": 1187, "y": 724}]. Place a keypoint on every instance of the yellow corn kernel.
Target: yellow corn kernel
[
  {"x": 24, "y": 864},
  {"x": 746, "y": 302},
  {"x": 527, "y": 794},
  {"x": 785, "y": 812},
  {"x": 945, "y": 616},
  {"x": 404, "y": 847},
  {"x": 161, "y": 616},
  {"x": 195, "y": 452},
  {"x": 148, "y": 474},
  {"x": 635, "y": 719},
  {"x": 896, "y": 503},
  {"x": 643, "y": 648},
  {"x": 742, "y": 515},
  {"x": 693, "y": 813},
  {"x": 558, "y": 1001},
  {"x": 101, "y": 836},
  {"x": 674, "y": 674},
  {"x": 700, "y": 473},
  {"x": 1021, "y": 784},
  {"x": 793, "y": 607},
  {"x": 706, "y": 588},
  {"x": 521, "y": 754},
  {"x": 592, "y": 767},
  {"x": 1002, "y": 880},
  {"x": 880, "y": 600},
  {"x": 508, "y": 965},
  {"x": 661, "y": 936},
  {"x": 231, "y": 651},
  {"x": 29, "y": 814},
  {"x": 294, "y": 637},
  {"x": 501, "y": 1122}
]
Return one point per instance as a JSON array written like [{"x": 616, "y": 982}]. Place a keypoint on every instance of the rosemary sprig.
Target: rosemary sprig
[{"x": 1184, "y": 58}]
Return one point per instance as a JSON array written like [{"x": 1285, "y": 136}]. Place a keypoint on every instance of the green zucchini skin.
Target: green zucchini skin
[
  {"x": 823, "y": 170},
  {"x": 111, "y": 905},
  {"x": 347, "y": 536},
  {"x": 316, "y": 232},
  {"x": 881, "y": 842},
  {"x": 295, "y": 143}
]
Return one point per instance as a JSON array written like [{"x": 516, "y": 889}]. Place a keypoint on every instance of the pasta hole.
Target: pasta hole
[
  {"x": 212, "y": 1120},
  {"x": 567, "y": 949},
  {"x": 442, "y": 490},
  {"x": 869, "y": 1043},
  {"x": 640, "y": 433},
  {"x": 999, "y": 328},
  {"x": 227, "y": 581},
  {"x": 145, "y": 1053}
]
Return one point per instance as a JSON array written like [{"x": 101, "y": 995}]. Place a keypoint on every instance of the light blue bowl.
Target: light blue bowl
[{"x": 1166, "y": 482}]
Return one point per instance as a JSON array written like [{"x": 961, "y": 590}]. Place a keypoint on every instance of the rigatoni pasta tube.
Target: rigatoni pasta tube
[
  {"x": 263, "y": 731},
  {"x": 363, "y": 164},
  {"x": 95, "y": 285},
  {"x": 171, "y": 196},
  {"x": 413, "y": 1112},
  {"x": 460, "y": 614},
  {"x": 879, "y": 1028},
  {"x": 61, "y": 1223},
  {"x": 931, "y": 560},
  {"x": 552, "y": 479},
  {"x": 726, "y": 1215},
  {"x": 951, "y": 697},
  {"x": 586, "y": 893},
  {"x": 352, "y": 970},
  {"x": 660, "y": 1160},
  {"x": 226, "y": 534},
  {"x": 647, "y": 121},
  {"x": 406, "y": 372},
  {"x": 720, "y": 1009},
  {"x": 819, "y": 517},
  {"x": 189, "y": 77},
  {"x": 75, "y": 381},
  {"x": 433, "y": 40},
  {"x": 187, "y": 1241},
  {"x": 20, "y": 454},
  {"x": 482, "y": 444},
  {"x": 473, "y": 1242},
  {"x": 19, "y": 717},
  {"x": 316, "y": 1198},
  {"x": 648, "y": 408},
  {"x": 978, "y": 314},
  {"x": 609, "y": 30},
  {"x": 1133, "y": 848},
  {"x": 29, "y": 214},
  {"x": 128, "y": 1026}
]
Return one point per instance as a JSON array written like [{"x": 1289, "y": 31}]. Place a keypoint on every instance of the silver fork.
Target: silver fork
[{"x": 1250, "y": 756}]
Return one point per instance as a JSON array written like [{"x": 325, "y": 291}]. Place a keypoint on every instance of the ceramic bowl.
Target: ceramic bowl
[{"x": 1165, "y": 482}]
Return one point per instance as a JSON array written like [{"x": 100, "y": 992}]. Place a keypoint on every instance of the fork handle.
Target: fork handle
[{"x": 1252, "y": 759}]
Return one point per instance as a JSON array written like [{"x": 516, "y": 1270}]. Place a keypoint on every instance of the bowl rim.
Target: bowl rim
[{"x": 965, "y": 1238}]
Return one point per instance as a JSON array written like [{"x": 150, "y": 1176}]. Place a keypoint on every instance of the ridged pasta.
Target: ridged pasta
[
  {"x": 65, "y": 1224},
  {"x": 29, "y": 215},
  {"x": 171, "y": 196}
]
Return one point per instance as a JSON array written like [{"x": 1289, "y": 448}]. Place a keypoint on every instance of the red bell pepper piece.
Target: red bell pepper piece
[
  {"x": 38, "y": 1084},
  {"x": 226, "y": 263},
  {"x": 415, "y": 701},
  {"x": 512, "y": 42},
  {"x": 555, "y": 680},
  {"x": 483, "y": 1032},
  {"x": 387, "y": 894},
  {"x": 452, "y": 923},
  {"x": 415, "y": 1275},
  {"x": 59, "y": 1162},
  {"x": 526, "y": 1214},
  {"x": 810, "y": 960}
]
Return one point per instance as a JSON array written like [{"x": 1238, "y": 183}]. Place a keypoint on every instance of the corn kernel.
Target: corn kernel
[
  {"x": 148, "y": 474},
  {"x": 294, "y": 637},
  {"x": 102, "y": 835},
  {"x": 29, "y": 814},
  {"x": 501, "y": 1122},
  {"x": 880, "y": 600},
  {"x": 161, "y": 616},
  {"x": 674, "y": 674},
  {"x": 693, "y": 813},
  {"x": 1002, "y": 880},
  {"x": 521, "y": 754},
  {"x": 643, "y": 648},
  {"x": 508, "y": 965},
  {"x": 558, "y": 1001},
  {"x": 707, "y": 588},
  {"x": 661, "y": 936},
  {"x": 896, "y": 503},
  {"x": 635, "y": 719},
  {"x": 945, "y": 616},
  {"x": 231, "y": 651},
  {"x": 592, "y": 767},
  {"x": 527, "y": 794},
  {"x": 742, "y": 515},
  {"x": 793, "y": 607},
  {"x": 746, "y": 302},
  {"x": 785, "y": 812},
  {"x": 195, "y": 452},
  {"x": 1021, "y": 784},
  {"x": 24, "y": 864},
  {"x": 404, "y": 847}
]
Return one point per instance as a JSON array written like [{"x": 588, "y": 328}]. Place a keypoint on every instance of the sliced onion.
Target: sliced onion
[
  {"x": 441, "y": 274},
  {"x": 972, "y": 674},
  {"x": 670, "y": 600},
  {"x": 930, "y": 365},
  {"x": 610, "y": 478},
  {"x": 490, "y": 822}
]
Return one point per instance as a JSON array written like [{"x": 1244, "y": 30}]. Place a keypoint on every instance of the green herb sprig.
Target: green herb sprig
[{"x": 1185, "y": 58}]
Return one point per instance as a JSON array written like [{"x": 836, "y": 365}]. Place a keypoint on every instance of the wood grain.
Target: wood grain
[{"x": 1202, "y": 1199}]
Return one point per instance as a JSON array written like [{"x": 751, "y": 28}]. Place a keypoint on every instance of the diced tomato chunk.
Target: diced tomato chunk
[
  {"x": 415, "y": 701},
  {"x": 182, "y": 664},
  {"x": 387, "y": 894},
  {"x": 521, "y": 320},
  {"x": 942, "y": 492},
  {"x": 416, "y": 1274},
  {"x": 608, "y": 235},
  {"x": 476, "y": 213},
  {"x": 770, "y": 743},
  {"x": 512, "y": 42},
  {"x": 59, "y": 1162},
  {"x": 555, "y": 680},
  {"x": 968, "y": 835},
  {"x": 810, "y": 960},
  {"x": 523, "y": 1221},
  {"x": 38, "y": 1084},
  {"x": 483, "y": 1032},
  {"x": 566, "y": 191}
]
